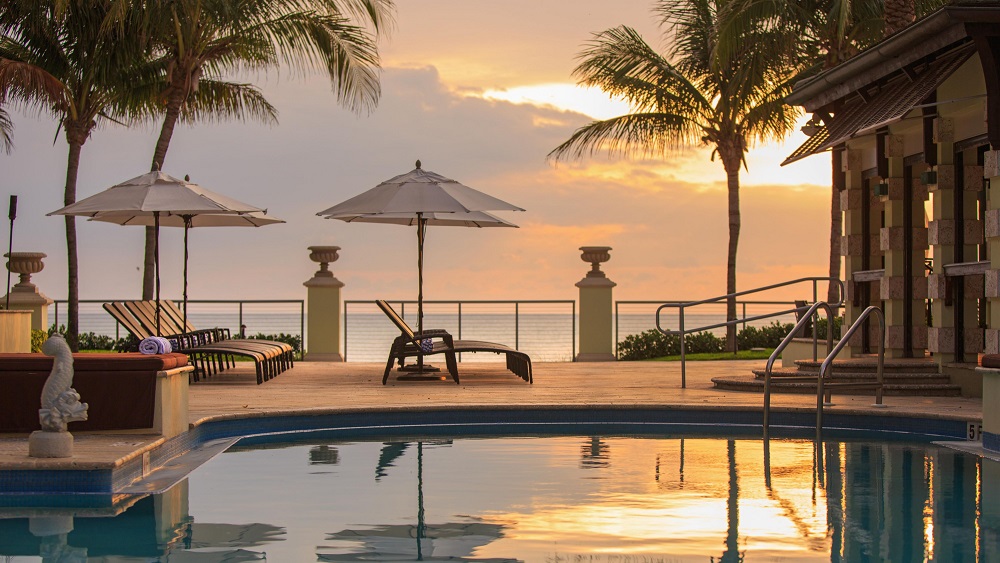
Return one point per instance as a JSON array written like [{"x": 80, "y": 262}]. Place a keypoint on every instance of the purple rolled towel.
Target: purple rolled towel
[{"x": 154, "y": 345}]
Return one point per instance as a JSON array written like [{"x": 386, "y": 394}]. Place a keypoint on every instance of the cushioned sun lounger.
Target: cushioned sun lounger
[
  {"x": 407, "y": 345},
  {"x": 211, "y": 350}
]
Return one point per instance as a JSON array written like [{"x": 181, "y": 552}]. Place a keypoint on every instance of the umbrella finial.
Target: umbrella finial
[
  {"x": 418, "y": 164},
  {"x": 156, "y": 166},
  {"x": 187, "y": 178}
]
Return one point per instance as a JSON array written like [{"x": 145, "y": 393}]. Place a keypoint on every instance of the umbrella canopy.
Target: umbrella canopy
[
  {"x": 421, "y": 198},
  {"x": 417, "y": 191},
  {"x": 159, "y": 199},
  {"x": 156, "y": 193}
]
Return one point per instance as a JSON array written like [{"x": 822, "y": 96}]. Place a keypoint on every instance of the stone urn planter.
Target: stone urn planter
[{"x": 324, "y": 255}]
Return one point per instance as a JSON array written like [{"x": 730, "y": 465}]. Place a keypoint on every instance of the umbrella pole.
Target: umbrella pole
[
  {"x": 187, "y": 225},
  {"x": 420, "y": 282},
  {"x": 421, "y": 370},
  {"x": 156, "y": 265}
]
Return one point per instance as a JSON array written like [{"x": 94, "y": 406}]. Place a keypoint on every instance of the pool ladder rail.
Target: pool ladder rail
[{"x": 824, "y": 389}]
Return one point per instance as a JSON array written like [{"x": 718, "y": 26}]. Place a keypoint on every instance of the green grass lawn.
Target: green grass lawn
[{"x": 706, "y": 356}]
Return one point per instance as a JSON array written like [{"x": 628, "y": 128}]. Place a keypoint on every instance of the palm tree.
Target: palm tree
[
  {"x": 218, "y": 37},
  {"x": 27, "y": 82},
  {"x": 686, "y": 98},
  {"x": 72, "y": 41},
  {"x": 821, "y": 34}
]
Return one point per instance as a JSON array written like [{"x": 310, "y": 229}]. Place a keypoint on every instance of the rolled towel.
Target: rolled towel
[{"x": 154, "y": 345}]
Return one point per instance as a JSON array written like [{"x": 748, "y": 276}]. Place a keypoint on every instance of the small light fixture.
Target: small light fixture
[{"x": 812, "y": 126}]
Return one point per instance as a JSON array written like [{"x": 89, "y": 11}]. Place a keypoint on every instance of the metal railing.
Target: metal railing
[
  {"x": 824, "y": 390},
  {"x": 546, "y": 329},
  {"x": 682, "y": 307},
  {"x": 624, "y": 328},
  {"x": 267, "y": 316}
]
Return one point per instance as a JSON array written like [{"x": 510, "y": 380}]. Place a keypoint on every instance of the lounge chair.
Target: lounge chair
[
  {"x": 211, "y": 350},
  {"x": 407, "y": 345}
]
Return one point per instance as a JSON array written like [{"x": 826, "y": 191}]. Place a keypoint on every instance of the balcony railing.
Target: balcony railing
[{"x": 546, "y": 330}]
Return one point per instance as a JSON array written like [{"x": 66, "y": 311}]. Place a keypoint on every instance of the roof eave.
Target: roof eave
[{"x": 933, "y": 33}]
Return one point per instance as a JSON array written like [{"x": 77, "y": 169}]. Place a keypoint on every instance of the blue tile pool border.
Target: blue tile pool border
[{"x": 466, "y": 421}]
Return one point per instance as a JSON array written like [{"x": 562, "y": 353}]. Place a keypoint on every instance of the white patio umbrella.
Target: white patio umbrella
[
  {"x": 163, "y": 198},
  {"x": 422, "y": 198},
  {"x": 252, "y": 219}
]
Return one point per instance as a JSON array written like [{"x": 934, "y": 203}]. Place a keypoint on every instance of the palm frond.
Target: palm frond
[
  {"x": 6, "y": 132},
  {"x": 629, "y": 135},
  {"x": 218, "y": 100}
]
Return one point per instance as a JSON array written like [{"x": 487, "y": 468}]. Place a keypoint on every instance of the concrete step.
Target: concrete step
[
  {"x": 754, "y": 384},
  {"x": 889, "y": 377},
  {"x": 924, "y": 365}
]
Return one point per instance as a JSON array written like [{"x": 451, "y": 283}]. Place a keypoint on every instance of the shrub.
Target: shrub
[
  {"x": 37, "y": 337},
  {"x": 655, "y": 344},
  {"x": 838, "y": 326},
  {"x": 93, "y": 341}
]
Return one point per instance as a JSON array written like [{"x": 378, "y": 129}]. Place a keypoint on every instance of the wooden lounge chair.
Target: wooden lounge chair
[
  {"x": 407, "y": 345},
  {"x": 211, "y": 350}
]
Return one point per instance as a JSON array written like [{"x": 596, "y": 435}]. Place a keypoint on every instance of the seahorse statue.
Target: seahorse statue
[{"x": 60, "y": 402}]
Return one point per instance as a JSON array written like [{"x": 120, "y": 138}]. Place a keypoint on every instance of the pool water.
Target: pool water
[{"x": 575, "y": 498}]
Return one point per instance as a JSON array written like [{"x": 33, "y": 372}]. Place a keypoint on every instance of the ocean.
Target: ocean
[{"x": 544, "y": 330}]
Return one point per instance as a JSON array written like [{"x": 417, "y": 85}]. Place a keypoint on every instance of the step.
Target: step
[
  {"x": 871, "y": 365},
  {"x": 754, "y": 384},
  {"x": 893, "y": 377}
]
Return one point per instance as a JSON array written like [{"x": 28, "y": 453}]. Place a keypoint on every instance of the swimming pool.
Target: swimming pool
[{"x": 613, "y": 496}]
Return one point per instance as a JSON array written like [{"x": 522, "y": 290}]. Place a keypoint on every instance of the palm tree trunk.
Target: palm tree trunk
[
  {"x": 836, "y": 219},
  {"x": 731, "y": 162},
  {"x": 174, "y": 104},
  {"x": 76, "y": 135}
]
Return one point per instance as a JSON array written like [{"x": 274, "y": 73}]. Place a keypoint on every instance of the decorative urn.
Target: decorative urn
[
  {"x": 324, "y": 255},
  {"x": 595, "y": 255}
]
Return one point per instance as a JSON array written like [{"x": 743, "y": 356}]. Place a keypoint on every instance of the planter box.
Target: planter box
[
  {"x": 15, "y": 331},
  {"x": 123, "y": 391}
]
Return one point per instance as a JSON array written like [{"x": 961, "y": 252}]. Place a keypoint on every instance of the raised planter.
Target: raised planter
[
  {"x": 123, "y": 391},
  {"x": 15, "y": 331}
]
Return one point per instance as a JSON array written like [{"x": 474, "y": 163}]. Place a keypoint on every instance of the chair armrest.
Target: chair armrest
[{"x": 433, "y": 333}]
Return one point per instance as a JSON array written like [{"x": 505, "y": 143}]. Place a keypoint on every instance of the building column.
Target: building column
[
  {"x": 596, "y": 309},
  {"x": 941, "y": 235},
  {"x": 323, "y": 308},
  {"x": 992, "y": 289},
  {"x": 904, "y": 285},
  {"x": 860, "y": 220}
]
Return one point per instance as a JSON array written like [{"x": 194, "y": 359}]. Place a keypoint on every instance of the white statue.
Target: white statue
[{"x": 60, "y": 402}]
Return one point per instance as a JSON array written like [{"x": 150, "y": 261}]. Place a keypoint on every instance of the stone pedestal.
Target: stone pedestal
[
  {"x": 323, "y": 308},
  {"x": 42, "y": 443},
  {"x": 25, "y": 295},
  {"x": 596, "y": 309}
]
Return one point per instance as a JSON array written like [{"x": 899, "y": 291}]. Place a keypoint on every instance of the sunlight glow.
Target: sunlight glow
[{"x": 592, "y": 102}]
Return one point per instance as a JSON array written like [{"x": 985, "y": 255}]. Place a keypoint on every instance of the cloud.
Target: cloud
[{"x": 666, "y": 218}]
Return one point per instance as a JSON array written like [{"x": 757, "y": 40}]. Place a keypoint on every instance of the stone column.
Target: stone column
[
  {"x": 25, "y": 295},
  {"x": 596, "y": 308},
  {"x": 903, "y": 245},
  {"x": 992, "y": 277},
  {"x": 945, "y": 231},
  {"x": 323, "y": 308},
  {"x": 856, "y": 208}
]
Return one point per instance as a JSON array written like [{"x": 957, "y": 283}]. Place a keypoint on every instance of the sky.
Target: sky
[{"x": 479, "y": 92}]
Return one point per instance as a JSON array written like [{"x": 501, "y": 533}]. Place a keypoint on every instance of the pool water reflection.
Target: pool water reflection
[{"x": 592, "y": 498}]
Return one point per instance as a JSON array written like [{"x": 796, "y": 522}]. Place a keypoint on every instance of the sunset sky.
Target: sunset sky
[{"x": 479, "y": 92}]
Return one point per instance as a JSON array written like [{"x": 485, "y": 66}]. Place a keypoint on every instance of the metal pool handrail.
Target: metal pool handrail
[
  {"x": 827, "y": 365},
  {"x": 682, "y": 306},
  {"x": 803, "y": 321}
]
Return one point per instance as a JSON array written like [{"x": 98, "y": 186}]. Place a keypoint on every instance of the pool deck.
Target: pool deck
[{"x": 316, "y": 387}]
